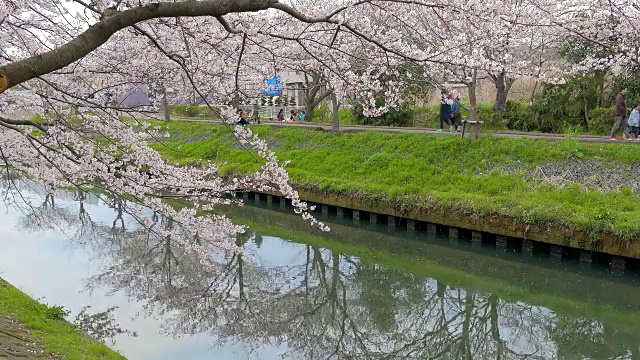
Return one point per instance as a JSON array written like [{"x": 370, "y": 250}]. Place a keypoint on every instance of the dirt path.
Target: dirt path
[{"x": 16, "y": 341}]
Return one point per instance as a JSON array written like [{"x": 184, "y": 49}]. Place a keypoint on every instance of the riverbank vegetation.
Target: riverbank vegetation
[
  {"x": 54, "y": 337},
  {"x": 530, "y": 181}
]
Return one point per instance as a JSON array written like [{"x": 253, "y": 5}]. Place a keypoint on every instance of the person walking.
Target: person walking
[
  {"x": 621, "y": 115},
  {"x": 281, "y": 115},
  {"x": 445, "y": 110},
  {"x": 634, "y": 122},
  {"x": 456, "y": 115}
]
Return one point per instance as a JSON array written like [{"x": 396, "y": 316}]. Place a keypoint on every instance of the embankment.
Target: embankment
[
  {"x": 570, "y": 193},
  {"x": 32, "y": 330}
]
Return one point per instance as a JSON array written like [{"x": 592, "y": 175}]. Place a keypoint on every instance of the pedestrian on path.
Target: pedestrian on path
[
  {"x": 456, "y": 115},
  {"x": 281, "y": 115},
  {"x": 445, "y": 110},
  {"x": 634, "y": 122},
  {"x": 621, "y": 115}
]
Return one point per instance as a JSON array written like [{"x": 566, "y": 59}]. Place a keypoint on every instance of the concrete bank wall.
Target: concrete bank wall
[{"x": 560, "y": 241}]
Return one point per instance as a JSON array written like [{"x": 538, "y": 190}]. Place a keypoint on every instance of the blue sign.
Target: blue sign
[{"x": 274, "y": 87}]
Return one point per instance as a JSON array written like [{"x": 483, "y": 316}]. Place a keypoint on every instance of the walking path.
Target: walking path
[{"x": 389, "y": 129}]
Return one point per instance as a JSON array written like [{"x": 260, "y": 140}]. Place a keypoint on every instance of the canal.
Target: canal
[{"x": 357, "y": 292}]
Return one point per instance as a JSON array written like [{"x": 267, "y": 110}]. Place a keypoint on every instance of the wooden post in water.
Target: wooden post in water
[
  {"x": 586, "y": 256},
  {"x": 527, "y": 247},
  {"x": 340, "y": 212},
  {"x": 283, "y": 203},
  {"x": 432, "y": 229},
  {"x": 501, "y": 242},
  {"x": 391, "y": 223},
  {"x": 270, "y": 199},
  {"x": 555, "y": 252},
  {"x": 454, "y": 235},
  {"x": 476, "y": 239},
  {"x": 373, "y": 218},
  {"x": 325, "y": 209},
  {"x": 411, "y": 225},
  {"x": 356, "y": 217}
]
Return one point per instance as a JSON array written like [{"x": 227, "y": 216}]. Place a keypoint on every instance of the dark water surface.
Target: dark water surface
[{"x": 356, "y": 293}]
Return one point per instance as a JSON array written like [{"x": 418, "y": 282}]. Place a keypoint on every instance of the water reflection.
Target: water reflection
[{"x": 322, "y": 304}]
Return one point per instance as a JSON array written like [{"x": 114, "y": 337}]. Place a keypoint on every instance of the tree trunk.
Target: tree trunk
[
  {"x": 335, "y": 128},
  {"x": 473, "y": 100},
  {"x": 585, "y": 106},
  {"x": 600, "y": 77},
  {"x": 501, "y": 95},
  {"x": 466, "y": 327},
  {"x": 165, "y": 105},
  {"x": 503, "y": 85},
  {"x": 310, "y": 110},
  {"x": 495, "y": 327},
  {"x": 532, "y": 98}
]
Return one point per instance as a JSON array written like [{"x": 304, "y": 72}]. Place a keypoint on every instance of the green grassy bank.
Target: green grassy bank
[
  {"x": 433, "y": 172},
  {"x": 47, "y": 327}
]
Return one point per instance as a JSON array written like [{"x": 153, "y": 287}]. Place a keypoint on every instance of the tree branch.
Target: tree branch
[
  {"x": 225, "y": 24},
  {"x": 20, "y": 71},
  {"x": 41, "y": 127}
]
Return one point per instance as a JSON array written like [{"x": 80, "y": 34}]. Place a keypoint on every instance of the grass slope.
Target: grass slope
[
  {"x": 55, "y": 335},
  {"x": 425, "y": 170}
]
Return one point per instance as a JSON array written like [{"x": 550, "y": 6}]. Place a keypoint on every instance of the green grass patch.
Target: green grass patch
[
  {"x": 49, "y": 328},
  {"x": 442, "y": 171}
]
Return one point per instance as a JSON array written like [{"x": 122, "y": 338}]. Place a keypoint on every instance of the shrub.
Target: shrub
[
  {"x": 519, "y": 116},
  {"x": 395, "y": 117},
  {"x": 322, "y": 114},
  {"x": 426, "y": 116},
  {"x": 601, "y": 120},
  {"x": 56, "y": 312},
  {"x": 346, "y": 116}
]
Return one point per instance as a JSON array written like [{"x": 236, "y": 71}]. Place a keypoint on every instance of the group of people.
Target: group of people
[
  {"x": 293, "y": 116},
  {"x": 245, "y": 117},
  {"x": 631, "y": 125},
  {"x": 450, "y": 108}
]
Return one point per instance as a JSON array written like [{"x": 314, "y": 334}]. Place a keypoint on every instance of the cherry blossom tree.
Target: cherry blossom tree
[{"x": 65, "y": 63}]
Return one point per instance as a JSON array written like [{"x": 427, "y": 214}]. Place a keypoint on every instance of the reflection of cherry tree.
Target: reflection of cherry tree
[
  {"x": 580, "y": 338},
  {"x": 323, "y": 304}
]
